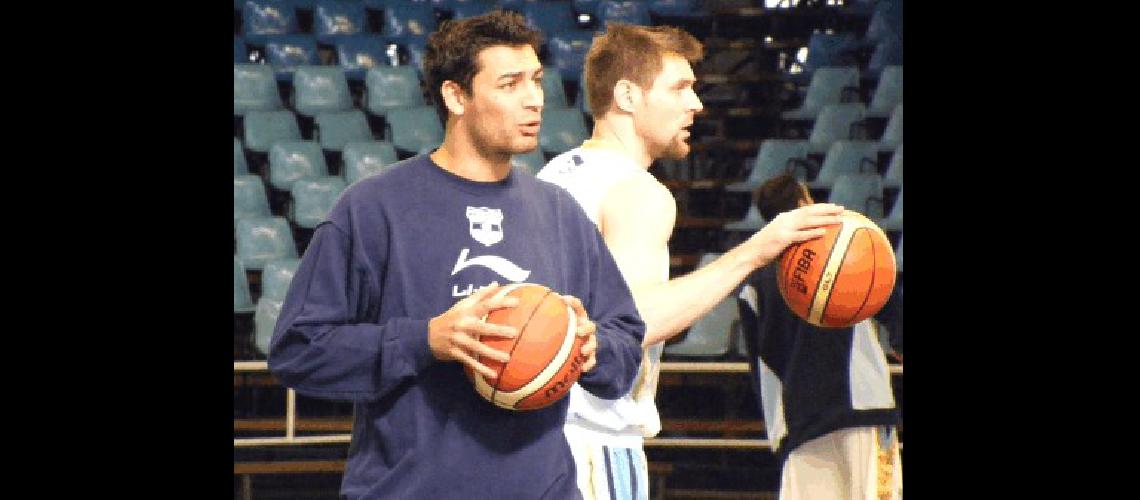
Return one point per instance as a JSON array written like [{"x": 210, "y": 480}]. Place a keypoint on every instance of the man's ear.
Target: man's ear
[
  {"x": 453, "y": 97},
  {"x": 625, "y": 94}
]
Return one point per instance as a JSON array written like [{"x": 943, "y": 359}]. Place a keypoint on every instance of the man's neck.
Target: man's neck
[
  {"x": 459, "y": 156},
  {"x": 617, "y": 134}
]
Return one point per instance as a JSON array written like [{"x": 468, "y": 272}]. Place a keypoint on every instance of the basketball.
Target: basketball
[
  {"x": 546, "y": 356},
  {"x": 842, "y": 278}
]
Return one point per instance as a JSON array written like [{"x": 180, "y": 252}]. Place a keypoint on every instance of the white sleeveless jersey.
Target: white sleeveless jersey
[{"x": 589, "y": 174}]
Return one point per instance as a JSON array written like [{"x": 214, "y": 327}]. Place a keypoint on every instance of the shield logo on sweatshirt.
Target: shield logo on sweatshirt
[{"x": 485, "y": 224}]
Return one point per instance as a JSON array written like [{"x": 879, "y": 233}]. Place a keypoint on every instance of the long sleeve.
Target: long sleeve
[
  {"x": 619, "y": 328},
  {"x": 322, "y": 345}
]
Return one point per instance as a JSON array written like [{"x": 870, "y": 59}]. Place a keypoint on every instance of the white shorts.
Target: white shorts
[
  {"x": 608, "y": 471},
  {"x": 859, "y": 463}
]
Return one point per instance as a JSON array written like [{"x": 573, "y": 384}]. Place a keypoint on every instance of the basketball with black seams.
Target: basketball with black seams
[
  {"x": 545, "y": 357},
  {"x": 841, "y": 278}
]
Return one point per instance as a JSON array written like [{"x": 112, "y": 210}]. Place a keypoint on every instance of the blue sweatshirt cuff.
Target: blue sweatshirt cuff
[{"x": 412, "y": 337}]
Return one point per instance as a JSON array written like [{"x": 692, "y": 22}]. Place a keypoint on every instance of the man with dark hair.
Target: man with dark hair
[
  {"x": 388, "y": 303},
  {"x": 639, "y": 81},
  {"x": 826, "y": 392}
]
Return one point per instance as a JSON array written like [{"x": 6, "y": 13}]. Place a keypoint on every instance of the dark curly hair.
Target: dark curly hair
[
  {"x": 779, "y": 194},
  {"x": 452, "y": 51}
]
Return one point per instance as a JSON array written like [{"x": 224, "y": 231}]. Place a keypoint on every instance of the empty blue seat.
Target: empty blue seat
[
  {"x": 886, "y": 22},
  {"x": 550, "y": 16},
  {"x": 894, "y": 175},
  {"x": 267, "y": 17},
  {"x": 862, "y": 193},
  {"x": 626, "y": 11},
  {"x": 243, "y": 302},
  {"x": 276, "y": 276},
  {"x": 825, "y": 50},
  {"x": 249, "y": 198},
  {"x": 362, "y": 159},
  {"x": 241, "y": 52},
  {"x": 312, "y": 199},
  {"x": 711, "y": 335},
  {"x": 836, "y": 122},
  {"x": 415, "y": 129},
  {"x": 847, "y": 157},
  {"x": 529, "y": 163},
  {"x": 357, "y": 54},
  {"x": 888, "y": 92},
  {"x": 832, "y": 85},
  {"x": 320, "y": 89},
  {"x": 263, "y": 128},
  {"x": 264, "y": 321},
  {"x": 336, "y": 18},
  {"x": 893, "y": 135},
  {"x": 562, "y": 129},
  {"x": 691, "y": 9},
  {"x": 775, "y": 157},
  {"x": 554, "y": 92},
  {"x": 470, "y": 8},
  {"x": 337, "y": 128},
  {"x": 255, "y": 89},
  {"x": 409, "y": 18},
  {"x": 262, "y": 239},
  {"x": 888, "y": 52},
  {"x": 240, "y": 167},
  {"x": 392, "y": 87},
  {"x": 290, "y": 161},
  {"x": 285, "y": 53},
  {"x": 568, "y": 52}
]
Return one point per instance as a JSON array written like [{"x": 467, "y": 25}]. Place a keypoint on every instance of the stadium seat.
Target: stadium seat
[
  {"x": 861, "y": 193},
  {"x": 888, "y": 93},
  {"x": 243, "y": 303},
  {"x": 470, "y": 8},
  {"x": 893, "y": 135},
  {"x": 553, "y": 90},
  {"x": 691, "y": 9},
  {"x": 550, "y": 16},
  {"x": 846, "y": 157},
  {"x": 240, "y": 166},
  {"x": 263, "y": 128},
  {"x": 262, "y": 239},
  {"x": 357, "y": 54},
  {"x": 568, "y": 52},
  {"x": 320, "y": 89},
  {"x": 264, "y": 320},
  {"x": 888, "y": 52},
  {"x": 832, "y": 85},
  {"x": 562, "y": 129},
  {"x": 249, "y": 198},
  {"x": 625, "y": 11},
  {"x": 336, "y": 18},
  {"x": 362, "y": 159},
  {"x": 894, "y": 176},
  {"x": 711, "y": 335},
  {"x": 836, "y": 122},
  {"x": 392, "y": 87},
  {"x": 255, "y": 89},
  {"x": 312, "y": 199},
  {"x": 409, "y": 18},
  {"x": 414, "y": 129},
  {"x": 261, "y": 18},
  {"x": 290, "y": 161},
  {"x": 751, "y": 222},
  {"x": 285, "y": 53},
  {"x": 276, "y": 276},
  {"x": 894, "y": 220},
  {"x": 337, "y": 128},
  {"x": 775, "y": 157}
]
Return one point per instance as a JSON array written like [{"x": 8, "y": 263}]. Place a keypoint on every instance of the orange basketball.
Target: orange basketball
[
  {"x": 842, "y": 278},
  {"x": 546, "y": 356}
]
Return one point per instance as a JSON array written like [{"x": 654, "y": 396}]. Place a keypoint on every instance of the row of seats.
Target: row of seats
[
  {"x": 841, "y": 84},
  {"x": 275, "y": 278}
]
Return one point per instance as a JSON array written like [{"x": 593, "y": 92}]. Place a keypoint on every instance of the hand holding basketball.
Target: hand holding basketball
[
  {"x": 791, "y": 227},
  {"x": 586, "y": 328},
  {"x": 454, "y": 335}
]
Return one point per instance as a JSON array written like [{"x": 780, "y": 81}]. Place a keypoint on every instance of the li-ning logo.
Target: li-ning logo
[
  {"x": 802, "y": 267},
  {"x": 485, "y": 224}
]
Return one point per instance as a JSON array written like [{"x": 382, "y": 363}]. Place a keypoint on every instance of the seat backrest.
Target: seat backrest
[
  {"x": 471, "y": 8},
  {"x": 264, "y": 321},
  {"x": 886, "y": 21},
  {"x": 894, "y": 175},
  {"x": 861, "y": 193},
  {"x": 276, "y": 276},
  {"x": 260, "y": 18},
  {"x": 240, "y": 166},
  {"x": 550, "y": 16},
  {"x": 711, "y": 334},
  {"x": 312, "y": 199},
  {"x": 285, "y": 53},
  {"x": 319, "y": 89},
  {"x": 263, "y": 128},
  {"x": 392, "y": 87},
  {"x": 409, "y": 18},
  {"x": 834, "y": 123},
  {"x": 826, "y": 49},
  {"x": 262, "y": 239},
  {"x": 255, "y": 89},
  {"x": 888, "y": 52},
  {"x": 774, "y": 159},
  {"x": 356, "y": 54},
  {"x": 848, "y": 157},
  {"x": 414, "y": 128},
  {"x": 888, "y": 92},
  {"x": 362, "y": 159},
  {"x": 623, "y": 11},
  {"x": 827, "y": 86},
  {"x": 897, "y": 208},
  {"x": 243, "y": 302},
  {"x": 250, "y": 199},
  {"x": 562, "y": 129},
  {"x": 568, "y": 52},
  {"x": 334, "y": 18},
  {"x": 337, "y": 128},
  {"x": 290, "y": 161},
  {"x": 554, "y": 92},
  {"x": 893, "y": 135}
]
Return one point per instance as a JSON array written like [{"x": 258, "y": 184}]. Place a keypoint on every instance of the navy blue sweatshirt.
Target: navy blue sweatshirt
[
  {"x": 403, "y": 246},
  {"x": 809, "y": 380}
]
